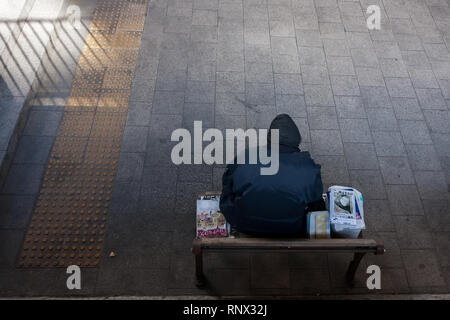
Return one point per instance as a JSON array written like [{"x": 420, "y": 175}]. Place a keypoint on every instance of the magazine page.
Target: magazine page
[{"x": 210, "y": 221}]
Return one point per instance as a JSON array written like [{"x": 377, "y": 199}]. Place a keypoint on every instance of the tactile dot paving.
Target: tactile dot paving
[{"x": 69, "y": 217}]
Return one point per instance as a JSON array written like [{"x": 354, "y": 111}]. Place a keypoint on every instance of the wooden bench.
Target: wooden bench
[
  {"x": 359, "y": 247},
  {"x": 240, "y": 242}
]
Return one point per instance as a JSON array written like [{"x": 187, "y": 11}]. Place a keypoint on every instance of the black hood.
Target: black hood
[{"x": 288, "y": 131}]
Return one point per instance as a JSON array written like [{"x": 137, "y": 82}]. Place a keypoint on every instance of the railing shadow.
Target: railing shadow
[{"x": 43, "y": 58}]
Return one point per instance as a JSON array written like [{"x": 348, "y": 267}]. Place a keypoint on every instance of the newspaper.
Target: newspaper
[{"x": 346, "y": 210}]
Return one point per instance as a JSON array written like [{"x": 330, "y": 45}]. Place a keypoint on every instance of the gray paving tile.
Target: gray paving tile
[
  {"x": 422, "y": 268},
  {"x": 198, "y": 112},
  {"x": 308, "y": 38},
  {"x": 318, "y": 95},
  {"x": 371, "y": 77},
  {"x": 230, "y": 61},
  {"x": 230, "y": 103},
  {"x": 135, "y": 281},
  {"x": 436, "y": 214},
  {"x": 400, "y": 87},
  {"x": 134, "y": 139},
  {"x": 441, "y": 143},
  {"x": 396, "y": 170},
  {"x": 432, "y": 185},
  {"x": 23, "y": 179},
  {"x": 226, "y": 121},
  {"x": 174, "y": 80},
  {"x": 200, "y": 91},
  {"x": 407, "y": 109},
  {"x": 404, "y": 200},
  {"x": 355, "y": 130},
  {"x": 303, "y": 127},
  {"x": 203, "y": 52},
  {"x": 139, "y": 114},
  {"x": 43, "y": 123},
  {"x": 306, "y": 21},
  {"x": 314, "y": 74},
  {"x": 350, "y": 107},
  {"x": 288, "y": 84},
  {"x": 382, "y": 120},
  {"x": 206, "y": 4},
  {"x": 328, "y": 14},
  {"x": 331, "y": 30},
  {"x": 286, "y": 64},
  {"x": 414, "y": 132},
  {"x": 355, "y": 25},
  {"x": 204, "y": 33},
  {"x": 375, "y": 97},
  {"x": 377, "y": 216},
  {"x": 388, "y": 143},
  {"x": 431, "y": 99},
  {"x": 259, "y": 54},
  {"x": 202, "y": 71},
  {"x": 168, "y": 102},
  {"x": 409, "y": 42},
  {"x": 178, "y": 24},
  {"x": 230, "y": 82},
  {"x": 393, "y": 68},
  {"x": 282, "y": 27},
  {"x": 259, "y": 72},
  {"x": 322, "y": 118},
  {"x": 391, "y": 258},
  {"x": 261, "y": 116},
  {"x": 284, "y": 45},
  {"x": 437, "y": 51},
  {"x": 33, "y": 149},
  {"x": 423, "y": 157},
  {"x": 130, "y": 167},
  {"x": 309, "y": 281},
  {"x": 438, "y": 120},
  {"x": 311, "y": 56},
  {"x": 445, "y": 87},
  {"x": 361, "y": 156},
  {"x": 442, "y": 249},
  {"x": 413, "y": 232},
  {"x": 16, "y": 211},
  {"x": 418, "y": 59},
  {"x": 342, "y": 66},
  {"x": 333, "y": 170},
  {"x": 204, "y": 17},
  {"x": 260, "y": 93},
  {"x": 326, "y": 142},
  {"x": 294, "y": 105},
  {"x": 387, "y": 49},
  {"x": 423, "y": 78},
  {"x": 365, "y": 58},
  {"x": 336, "y": 48},
  {"x": 263, "y": 264},
  {"x": 177, "y": 11}
]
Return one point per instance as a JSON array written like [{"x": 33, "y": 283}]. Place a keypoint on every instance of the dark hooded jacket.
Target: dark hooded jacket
[{"x": 275, "y": 204}]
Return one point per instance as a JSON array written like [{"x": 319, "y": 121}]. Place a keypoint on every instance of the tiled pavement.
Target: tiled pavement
[{"x": 372, "y": 107}]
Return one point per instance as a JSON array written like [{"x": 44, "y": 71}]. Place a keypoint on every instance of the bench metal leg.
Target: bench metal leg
[
  {"x": 200, "y": 280},
  {"x": 353, "y": 266},
  {"x": 199, "y": 276}
]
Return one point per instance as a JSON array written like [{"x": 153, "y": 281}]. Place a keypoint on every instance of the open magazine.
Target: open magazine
[{"x": 211, "y": 222}]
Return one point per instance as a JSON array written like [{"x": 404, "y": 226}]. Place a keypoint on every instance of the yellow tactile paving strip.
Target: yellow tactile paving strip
[{"x": 68, "y": 221}]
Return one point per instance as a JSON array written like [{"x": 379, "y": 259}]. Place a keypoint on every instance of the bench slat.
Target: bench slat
[{"x": 353, "y": 245}]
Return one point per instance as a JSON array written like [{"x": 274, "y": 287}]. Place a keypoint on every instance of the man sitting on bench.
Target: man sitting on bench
[{"x": 274, "y": 204}]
